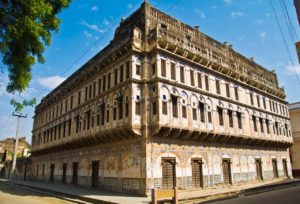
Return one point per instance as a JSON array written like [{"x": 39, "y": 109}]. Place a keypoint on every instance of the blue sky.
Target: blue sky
[{"x": 88, "y": 25}]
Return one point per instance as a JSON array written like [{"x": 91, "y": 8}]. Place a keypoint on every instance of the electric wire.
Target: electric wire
[{"x": 285, "y": 43}]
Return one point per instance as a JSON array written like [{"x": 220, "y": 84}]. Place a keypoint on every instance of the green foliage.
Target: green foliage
[
  {"x": 26, "y": 26},
  {"x": 19, "y": 106}
]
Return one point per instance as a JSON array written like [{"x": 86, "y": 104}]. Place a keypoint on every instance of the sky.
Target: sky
[{"x": 87, "y": 26}]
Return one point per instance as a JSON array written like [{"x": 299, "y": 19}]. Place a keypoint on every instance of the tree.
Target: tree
[{"x": 26, "y": 27}]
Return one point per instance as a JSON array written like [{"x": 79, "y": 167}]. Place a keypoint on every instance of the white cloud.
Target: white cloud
[
  {"x": 291, "y": 70},
  {"x": 94, "y": 8},
  {"x": 3, "y": 83},
  {"x": 87, "y": 34},
  {"x": 237, "y": 14},
  {"x": 50, "y": 82},
  {"x": 227, "y": 2},
  {"x": 259, "y": 21},
  {"x": 130, "y": 6},
  {"x": 263, "y": 35},
  {"x": 92, "y": 26},
  {"x": 2, "y": 89},
  {"x": 106, "y": 22},
  {"x": 202, "y": 15}
]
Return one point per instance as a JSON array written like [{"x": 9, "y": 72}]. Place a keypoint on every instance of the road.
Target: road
[
  {"x": 289, "y": 195},
  {"x": 12, "y": 194}
]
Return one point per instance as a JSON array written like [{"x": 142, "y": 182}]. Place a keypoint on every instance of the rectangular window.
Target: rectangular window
[
  {"x": 120, "y": 108},
  {"x": 236, "y": 93},
  {"x": 230, "y": 117},
  {"x": 137, "y": 108},
  {"x": 202, "y": 114},
  {"x": 98, "y": 120},
  {"x": 261, "y": 124},
  {"x": 163, "y": 67},
  {"x": 114, "y": 113},
  {"x": 194, "y": 114},
  {"x": 239, "y": 118},
  {"x": 138, "y": 69},
  {"x": 43, "y": 170},
  {"x": 90, "y": 91},
  {"x": 104, "y": 83},
  {"x": 94, "y": 89},
  {"x": 254, "y": 123},
  {"x": 173, "y": 71},
  {"x": 209, "y": 118},
  {"x": 264, "y": 103},
  {"x": 182, "y": 74},
  {"x": 86, "y": 93},
  {"x": 174, "y": 107},
  {"x": 88, "y": 119},
  {"x": 206, "y": 82},
  {"x": 126, "y": 109},
  {"x": 127, "y": 70},
  {"x": 164, "y": 108},
  {"x": 267, "y": 125},
  {"x": 218, "y": 86},
  {"x": 251, "y": 98},
  {"x": 199, "y": 76},
  {"x": 153, "y": 68},
  {"x": 108, "y": 80},
  {"x": 192, "y": 78},
  {"x": 121, "y": 73},
  {"x": 258, "y": 100},
  {"x": 71, "y": 104},
  {"x": 270, "y": 104},
  {"x": 66, "y": 105},
  {"x": 227, "y": 90},
  {"x": 184, "y": 111},
  {"x": 116, "y": 76},
  {"x": 153, "y": 108},
  {"x": 102, "y": 113},
  {"x": 220, "y": 114},
  {"x": 99, "y": 86}
]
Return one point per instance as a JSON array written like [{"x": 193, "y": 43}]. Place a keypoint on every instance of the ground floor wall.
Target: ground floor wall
[
  {"x": 219, "y": 164},
  {"x": 295, "y": 150},
  {"x": 136, "y": 167},
  {"x": 114, "y": 167}
]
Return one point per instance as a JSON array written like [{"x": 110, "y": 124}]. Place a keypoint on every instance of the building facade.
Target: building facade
[
  {"x": 162, "y": 105},
  {"x": 294, "y": 109}
]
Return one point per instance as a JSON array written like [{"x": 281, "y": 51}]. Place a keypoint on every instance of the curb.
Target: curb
[{"x": 87, "y": 199}]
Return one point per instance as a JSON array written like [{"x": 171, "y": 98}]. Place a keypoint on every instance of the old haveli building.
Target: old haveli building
[{"x": 163, "y": 105}]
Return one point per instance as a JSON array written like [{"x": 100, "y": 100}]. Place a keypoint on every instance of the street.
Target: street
[
  {"x": 282, "y": 196},
  {"x": 12, "y": 194}
]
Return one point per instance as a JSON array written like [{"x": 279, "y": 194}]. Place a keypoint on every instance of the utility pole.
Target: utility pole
[{"x": 16, "y": 143}]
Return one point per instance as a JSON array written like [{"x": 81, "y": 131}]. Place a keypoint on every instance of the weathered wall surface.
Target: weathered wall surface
[
  {"x": 242, "y": 162},
  {"x": 121, "y": 166}
]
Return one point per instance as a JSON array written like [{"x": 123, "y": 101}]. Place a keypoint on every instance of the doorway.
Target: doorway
[
  {"x": 95, "y": 173},
  {"x": 226, "y": 171},
  {"x": 197, "y": 173},
  {"x": 258, "y": 169},
  {"x": 168, "y": 173}
]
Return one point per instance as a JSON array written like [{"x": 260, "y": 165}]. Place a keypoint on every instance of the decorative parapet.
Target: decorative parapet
[{"x": 170, "y": 33}]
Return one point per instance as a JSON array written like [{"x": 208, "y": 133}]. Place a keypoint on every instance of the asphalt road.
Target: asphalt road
[
  {"x": 12, "y": 194},
  {"x": 289, "y": 195}
]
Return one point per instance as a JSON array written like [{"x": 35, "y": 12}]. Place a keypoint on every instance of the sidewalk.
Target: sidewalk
[
  {"x": 98, "y": 196},
  {"x": 86, "y": 194}
]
